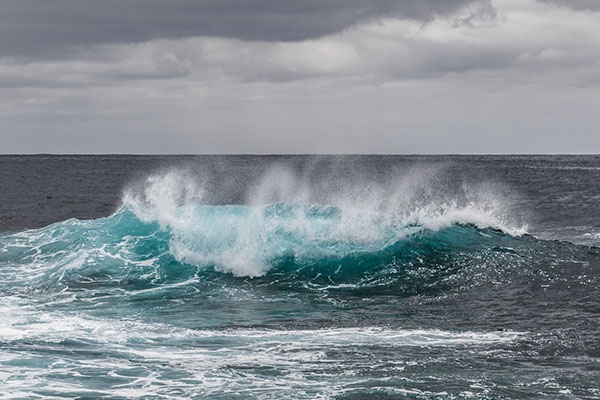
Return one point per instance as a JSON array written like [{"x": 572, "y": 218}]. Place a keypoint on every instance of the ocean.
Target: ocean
[{"x": 299, "y": 277}]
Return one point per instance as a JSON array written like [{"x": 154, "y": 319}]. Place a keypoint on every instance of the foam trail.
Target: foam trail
[{"x": 33, "y": 325}]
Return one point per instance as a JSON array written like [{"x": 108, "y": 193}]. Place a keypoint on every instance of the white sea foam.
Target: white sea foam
[
  {"x": 23, "y": 321},
  {"x": 150, "y": 359},
  {"x": 322, "y": 218}
]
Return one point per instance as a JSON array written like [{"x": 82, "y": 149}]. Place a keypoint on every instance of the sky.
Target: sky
[{"x": 304, "y": 76}]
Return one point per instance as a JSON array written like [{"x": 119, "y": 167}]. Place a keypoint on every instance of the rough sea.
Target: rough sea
[{"x": 299, "y": 277}]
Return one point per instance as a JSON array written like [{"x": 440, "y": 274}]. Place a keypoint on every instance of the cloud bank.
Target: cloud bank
[{"x": 307, "y": 76}]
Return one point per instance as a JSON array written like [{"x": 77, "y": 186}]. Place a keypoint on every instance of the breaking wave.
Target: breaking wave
[{"x": 166, "y": 233}]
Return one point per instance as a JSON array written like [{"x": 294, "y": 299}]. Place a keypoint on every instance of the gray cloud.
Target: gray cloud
[
  {"x": 299, "y": 76},
  {"x": 576, "y": 4},
  {"x": 39, "y": 28},
  {"x": 530, "y": 40}
]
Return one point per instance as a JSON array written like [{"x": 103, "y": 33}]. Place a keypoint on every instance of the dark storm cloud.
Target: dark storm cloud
[{"x": 47, "y": 29}]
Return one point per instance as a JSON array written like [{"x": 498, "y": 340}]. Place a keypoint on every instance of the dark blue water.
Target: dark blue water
[{"x": 337, "y": 277}]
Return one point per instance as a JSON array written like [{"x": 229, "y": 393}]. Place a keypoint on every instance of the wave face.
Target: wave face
[
  {"x": 305, "y": 242},
  {"x": 323, "y": 290}
]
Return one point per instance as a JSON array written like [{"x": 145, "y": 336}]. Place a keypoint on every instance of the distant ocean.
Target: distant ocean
[{"x": 300, "y": 277}]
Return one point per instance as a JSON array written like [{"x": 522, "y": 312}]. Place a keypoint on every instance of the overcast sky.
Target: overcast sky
[{"x": 303, "y": 76}]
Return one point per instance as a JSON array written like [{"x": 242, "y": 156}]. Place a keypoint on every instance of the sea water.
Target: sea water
[{"x": 300, "y": 277}]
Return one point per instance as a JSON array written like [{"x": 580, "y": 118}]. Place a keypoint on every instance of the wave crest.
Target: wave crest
[{"x": 346, "y": 220}]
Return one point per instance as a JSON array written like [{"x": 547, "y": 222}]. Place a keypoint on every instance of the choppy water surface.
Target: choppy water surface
[{"x": 300, "y": 277}]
